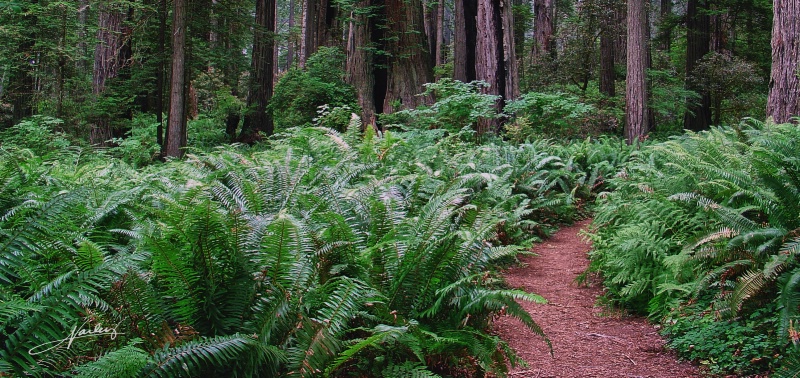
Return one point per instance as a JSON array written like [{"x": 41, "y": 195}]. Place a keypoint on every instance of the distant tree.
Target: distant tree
[
  {"x": 636, "y": 114},
  {"x": 784, "y": 83},
  {"x": 258, "y": 120},
  {"x": 387, "y": 56},
  {"x": 698, "y": 114},
  {"x": 607, "y": 36},
  {"x": 112, "y": 52},
  {"x": 543, "y": 31},
  {"x": 484, "y": 50},
  {"x": 176, "y": 124}
]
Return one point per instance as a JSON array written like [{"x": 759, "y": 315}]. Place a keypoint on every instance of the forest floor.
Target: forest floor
[{"x": 588, "y": 340}]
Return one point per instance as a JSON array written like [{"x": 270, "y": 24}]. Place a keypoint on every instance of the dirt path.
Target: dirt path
[{"x": 587, "y": 341}]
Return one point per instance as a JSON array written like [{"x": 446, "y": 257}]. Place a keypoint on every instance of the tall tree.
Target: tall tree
[
  {"x": 387, "y": 56},
  {"x": 362, "y": 63},
  {"x": 110, "y": 55},
  {"x": 484, "y": 50},
  {"x": 636, "y": 115},
  {"x": 784, "y": 85},
  {"x": 543, "y": 30},
  {"x": 320, "y": 27},
  {"x": 465, "y": 33},
  {"x": 698, "y": 114},
  {"x": 258, "y": 120},
  {"x": 176, "y": 123},
  {"x": 607, "y": 37},
  {"x": 410, "y": 65}
]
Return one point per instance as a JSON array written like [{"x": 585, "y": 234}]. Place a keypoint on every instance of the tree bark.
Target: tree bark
[
  {"x": 162, "y": 67},
  {"x": 698, "y": 115},
  {"x": 783, "y": 101},
  {"x": 290, "y": 47},
  {"x": 439, "y": 45},
  {"x": 258, "y": 121},
  {"x": 495, "y": 61},
  {"x": 636, "y": 119},
  {"x": 410, "y": 65},
  {"x": 542, "y": 29},
  {"x": 176, "y": 123},
  {"x": 110, "y": 56},
  {"x": 607, "y": 30},
  {"x": 360, "y": 67},
  {"x": 320, "y": 27},
  {"x": 465, "y": 33}
]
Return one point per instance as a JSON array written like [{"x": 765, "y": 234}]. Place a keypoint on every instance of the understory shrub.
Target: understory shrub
[
  {"x": 325, "y": 253},
  {"x": 299, "y": 92}
]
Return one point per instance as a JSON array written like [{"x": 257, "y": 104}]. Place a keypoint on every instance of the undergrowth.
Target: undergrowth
[
  {"x": 318, "y": 254},
  {"x": 701, "y": 233}
]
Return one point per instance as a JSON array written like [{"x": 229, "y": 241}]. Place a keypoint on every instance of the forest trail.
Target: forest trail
[{"x": 587, "y": 340}]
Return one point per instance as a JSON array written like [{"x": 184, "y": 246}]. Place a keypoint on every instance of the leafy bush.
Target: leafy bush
[
  {"x": 458, "y": 105},
  {"x": 548, "y": 115},
  {"x": 299, "y": 92}
]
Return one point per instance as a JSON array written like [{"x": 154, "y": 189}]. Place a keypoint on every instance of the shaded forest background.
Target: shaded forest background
[{"x": 243, "y": 68}]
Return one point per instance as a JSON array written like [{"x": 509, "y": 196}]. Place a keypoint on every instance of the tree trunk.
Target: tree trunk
[
  {"x": 176, "y": 123},
  {"x": 258, "y": 121},
  {"x": 698, "y": 116},
  {"x": 320, "y": 27},
  {"x": 162, "y": 67},
  {"x": 542, "y": 30},
  {"x": 439, "y": 45},
  {"x": 290, "y": 47},
  {"x": 665, "y": 30},
  {"x": 430, "y": 21},
  {"x": 465, "y": 33},
  {"x": 409, "y": 62},
  {"x": 109, "y": 57},
  {"x": 495, "y": 61},
  {"x": 783, "y": 101},
  {"x": 607, "y": 29},
  {"x": 21, "y": 86},
  {"x": 360, "y": 67},
  {"x": 636, "y": 117}
]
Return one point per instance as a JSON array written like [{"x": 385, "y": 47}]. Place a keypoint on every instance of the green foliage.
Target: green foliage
[
  {"x": 326, "y": 252},
  {"x": 299, "y": 92},
  {"x": 740, "y": 346},
  {"x": 710, "y": 216},
  {"x": 458, "y": 105},
  {"x": 41, "y": 134},
  {"x": 547, "y": 114}
]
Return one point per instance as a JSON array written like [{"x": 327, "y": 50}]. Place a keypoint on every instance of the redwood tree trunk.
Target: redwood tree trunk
[
  {"x": 109, "y": 57},
  {"x": 607, "y": 30},
  {"x": 784, "y": 86},
  {"x": 439, "y": 46},
  {"x": 495, "y": 61},
  {"x": 409, "y": 62},
  {"x": 176, "y": 124},
  {"x": 636, "y": 117},
  {"x": 258, "y": 121},
  {"x": 542, "y": 29},
  {"x": 698, "y": 115},
  {"x": 360, "y": 67},
  {"x": 466, "y": 12},
  {"x": 320, "y": 27}
]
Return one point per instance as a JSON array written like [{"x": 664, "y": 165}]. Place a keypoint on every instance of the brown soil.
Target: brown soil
[{"x": 588, "y": 341}]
